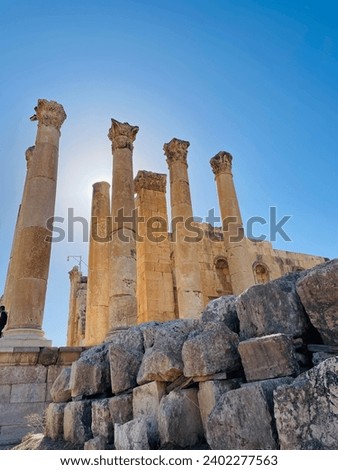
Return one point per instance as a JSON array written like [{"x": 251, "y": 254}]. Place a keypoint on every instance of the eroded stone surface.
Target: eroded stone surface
[
  {"x": 132, "y": 435},
  {"x": 77, "y": 422},
  {"x": 54, "y": 420},
  {"x": 222, "y": 309},
  {"x": 60, "y": 390}
]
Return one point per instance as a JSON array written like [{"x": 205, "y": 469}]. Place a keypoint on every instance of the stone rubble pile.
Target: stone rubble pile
[{"x": 257, "y": 371}]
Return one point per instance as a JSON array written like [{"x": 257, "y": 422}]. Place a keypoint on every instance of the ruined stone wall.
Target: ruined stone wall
[{"x": 26, "y": 378}]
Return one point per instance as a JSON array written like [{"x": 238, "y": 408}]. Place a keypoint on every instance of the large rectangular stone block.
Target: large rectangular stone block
[
  {"x": 12, "y": 435},
  {"x": 54, "y": 420},
  {"x": 15, "y": 413},
  {"x": 132, "y": 435},
  {"x": 268, "y": 357},
  {"x": 102, "y": 424},
  {"x": 77, "y": 422},
  {"x": 22, "y": 374},
  {"x": 28, "y": 393},
  {"x": 121, "y": 408}
]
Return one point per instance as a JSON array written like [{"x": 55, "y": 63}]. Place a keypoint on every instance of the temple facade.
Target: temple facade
[{"x": 141, "y": 266}]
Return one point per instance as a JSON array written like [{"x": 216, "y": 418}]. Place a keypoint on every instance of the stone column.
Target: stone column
[
  {"x": 77, "y": 308},
  {"x": 240, "y": 269},
  {"x": 187, "y": 269},
  {"x": 122, "y": 291},
  {"x": 98, "y": 266},
  {"x": 32, "y": 251},
  {"x": 155, "y": 291},
  {"x": 7, "y": 300}
]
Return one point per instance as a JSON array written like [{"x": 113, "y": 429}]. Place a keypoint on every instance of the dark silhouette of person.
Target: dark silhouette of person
[{"x": 3, "y": 318}]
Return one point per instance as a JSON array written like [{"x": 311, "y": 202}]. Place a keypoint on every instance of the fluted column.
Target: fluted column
[
  {"x": 31, "y": 256},
  {"x": 155, "y": 291},
  {"x": 187, "y": 270},
  {"x": 7, "y": 300},
  {"x": 122, "y": 291},
  {"x": 98, "y": 267},
  {"x": 240, "y": 269}
]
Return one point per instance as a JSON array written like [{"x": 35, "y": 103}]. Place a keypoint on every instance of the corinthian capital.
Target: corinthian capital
[
  {"x": 149, "y": 180},
  {"x": 221, "y": 163},
  {"x": 176, "y": 151},
  {"x": 122, "y": 135},
  {"x": 49, "y": 113},
  {"x": 29, "y": 155}
]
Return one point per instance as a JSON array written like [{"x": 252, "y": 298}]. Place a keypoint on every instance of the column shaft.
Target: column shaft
[
  {"x": 187, "y": 270},
  {"x": 98, "y": 266}
]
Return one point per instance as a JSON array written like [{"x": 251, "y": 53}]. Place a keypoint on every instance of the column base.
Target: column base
[{"x": 24, "y": 337}]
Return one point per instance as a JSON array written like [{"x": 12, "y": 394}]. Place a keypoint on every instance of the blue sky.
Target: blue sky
[{"x": 256, "y": 78}]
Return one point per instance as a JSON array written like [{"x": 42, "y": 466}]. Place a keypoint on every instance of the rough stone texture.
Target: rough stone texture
[
  {"x": 102, "y": 424},
  {"x": 307, "y": 410},
  {"x": 28, "y": 393},
  {"x": 162, "y": 360},
  {"x": 179, "y": 421},
  {"x": 77, "y": 422},
  {"x": 90, "y": 374},
  {"x": 97, "y": 443},
  {"x": 222, "y": 309},
  {"x": 146, "y": 402},
  {"x": 54, "y": 420},
  {"x": 318, "y": 291},
  {"x": 22, "y": 374},
  {"x": 125, "y": 356},
  {"x": 132, "y": 435},
  {"x": 268, "y": 357},
  {"x": 271, "y": 308},
  {"x": 212, "y": 350},
  {"x": 243, "y": 418},
  {"x": 121, "y": 408},
  {"x": 60, "y": 391},
  {"x": 319, "y": 357},
  {"x": 208, "y": 395}
]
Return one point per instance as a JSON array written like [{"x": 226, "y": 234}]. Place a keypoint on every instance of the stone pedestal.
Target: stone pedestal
[
  {"x": 240, "y": 268},
  {"x": 122, "y": 290},
  {"x": 31, "y": 255},
  {"x": 98, "y": 267},
  {"x": 187, "y": 269},
  {"x": 155, "y": 293}
]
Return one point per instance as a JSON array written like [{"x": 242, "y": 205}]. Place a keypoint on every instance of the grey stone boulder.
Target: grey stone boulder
[
  {"x": 102, "y": 425},
  {"x": 60, "y": 391},
  {"x": 90, "y": 373},
  {"x": 268, "y": 357},
  {"x": 179, "y": 419},
  {"x": 243, "y": 418},
  {"x": 121, "y": 408},
  {"x": 132, "y": 435},
  {"x": 210, "y": 350},
  {"x": 77, "y": 422},
  {"x": 162, "y": 360},
  {"x": 224, "y": 310},
  {"x": 306, "y": 411},
  {"x": 270, "y": 308},
  {"x": 54, "y": 421},
  {"x": 318, "y": 292},
  {"x": 125, "y": 356}
]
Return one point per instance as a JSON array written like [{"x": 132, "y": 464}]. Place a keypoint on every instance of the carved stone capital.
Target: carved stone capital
[
  {"x": 221, "y": 163},
  {"x": 49, "y": 113},
  {"x": 176, "y": 151},
  {"x": 149, "y": 180},
  {"x": 29, "y": 155},
  {"x": 122, "y": 135}
]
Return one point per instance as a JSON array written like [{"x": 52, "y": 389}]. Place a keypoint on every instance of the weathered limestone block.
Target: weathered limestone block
[
  {"x": 48, "y": 356},
  {"x": 23, "y": 374},
  {"x": 28, "y": 393},
  {"x": 268, "y": 357},
  {"x": 162, "y": 360},
  {"x": 102, "y": 424},
  {"x": 208, "y": 395},
  {"x": 180, "y": 423},
  {"x": 307, "y": 410},
  {"x": 243, "y": 418},
  {"x": 77, "y": 422},
  {"x": 15, "y": 414},
  {"x": 121, "y": 408},
  {"x": 212, "y": 350},
  {"x": 274, "y": 307},
  {"x": 318, "y": 291},
  {"x": 5, "y": 393},
  {"x": 125, "y": 356},
  {"x": 97, "y": 443},
  {"x": 60, "y": 391},
  {"x": 146, "y": 403},
  {"x": 90, "y": 374},
  {"x": 223, "y": 309},
  {"x": 132, "y": 435},
  {"x": 54, "y": 421}
]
